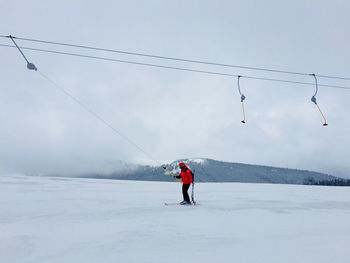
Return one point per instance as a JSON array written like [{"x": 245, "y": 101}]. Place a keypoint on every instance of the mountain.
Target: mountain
[{"x": 208, "y": 170}]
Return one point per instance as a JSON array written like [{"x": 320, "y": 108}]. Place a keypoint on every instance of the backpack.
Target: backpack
[{"x": 192, "y": 173}]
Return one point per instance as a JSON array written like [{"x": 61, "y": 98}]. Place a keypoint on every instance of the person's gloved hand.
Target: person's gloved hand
[{"x": 170, "y": 173}]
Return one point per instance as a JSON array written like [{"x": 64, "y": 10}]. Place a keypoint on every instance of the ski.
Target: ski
[
  {"x": 168, "y": 204},
  {"x": 171, "y": 203}
]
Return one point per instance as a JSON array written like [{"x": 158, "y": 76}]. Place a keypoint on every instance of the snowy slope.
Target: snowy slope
[
  {"x": 85, "y": 220},
  {"x": 208, "y": 170}
]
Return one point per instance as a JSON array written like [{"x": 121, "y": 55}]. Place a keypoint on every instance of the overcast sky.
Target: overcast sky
[{"x": 173, "y": 114}]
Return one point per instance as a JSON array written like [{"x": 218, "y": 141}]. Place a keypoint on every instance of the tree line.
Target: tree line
[{"x": 332, "y": 182}]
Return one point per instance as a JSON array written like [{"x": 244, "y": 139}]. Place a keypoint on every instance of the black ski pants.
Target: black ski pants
[{"x": 185, "y": 188}]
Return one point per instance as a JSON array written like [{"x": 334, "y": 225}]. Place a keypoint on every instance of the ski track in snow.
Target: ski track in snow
[{"x": 85, "y": 220}]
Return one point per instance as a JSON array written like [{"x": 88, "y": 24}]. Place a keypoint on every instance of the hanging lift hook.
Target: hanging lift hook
[
  {"x": 30, "y": 65},
  {"x": 313, "y": 99},
  {"x": 242, "y": 99}
]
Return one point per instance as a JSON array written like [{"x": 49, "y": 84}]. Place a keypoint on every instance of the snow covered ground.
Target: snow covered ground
[{"x": 84, "y": 220}]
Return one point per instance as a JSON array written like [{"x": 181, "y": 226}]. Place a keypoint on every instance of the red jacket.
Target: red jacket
[{"x": 186, "y": 175}]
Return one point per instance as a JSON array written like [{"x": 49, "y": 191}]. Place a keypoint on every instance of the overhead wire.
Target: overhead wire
[
  {"x": 175, "y": 68},
  {"x": 31, "y": 66},
  {"x": 86, "y": 108},
  {"x": 178, "y": 59},
  {"x": 82, "y": 105}
]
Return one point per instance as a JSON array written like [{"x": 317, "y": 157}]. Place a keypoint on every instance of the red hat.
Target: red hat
[{"x": 182, "y": 164}]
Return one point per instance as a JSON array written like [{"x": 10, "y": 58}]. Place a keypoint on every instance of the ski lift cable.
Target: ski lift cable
[
  {"x": 86, "y": 108},
  {"x": 174, "y": 68},
  {"x": 177, "y": 59},
  {"x": 98, "y": 117}
]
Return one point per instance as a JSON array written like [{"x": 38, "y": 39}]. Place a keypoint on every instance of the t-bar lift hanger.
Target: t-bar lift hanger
[
  {"x": 30, "y": 65},
  {"x": 242, "y": 99},
  {"x": 313, "y": 99}
]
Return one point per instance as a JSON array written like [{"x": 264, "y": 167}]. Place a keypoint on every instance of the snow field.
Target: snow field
[{"x": 85, "y": 220}]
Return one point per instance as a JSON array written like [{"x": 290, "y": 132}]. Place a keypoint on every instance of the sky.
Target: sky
[{"x": 172, "y": 114}]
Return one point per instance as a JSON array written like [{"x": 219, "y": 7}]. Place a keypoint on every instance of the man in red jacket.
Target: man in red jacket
[{"x": 187, "y": 179}]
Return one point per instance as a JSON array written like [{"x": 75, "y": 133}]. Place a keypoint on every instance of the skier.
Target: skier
[{"x": 186, "y": 177}]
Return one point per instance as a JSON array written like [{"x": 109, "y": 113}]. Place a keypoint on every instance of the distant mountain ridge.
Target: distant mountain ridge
[{"x": 208, "y": 170}]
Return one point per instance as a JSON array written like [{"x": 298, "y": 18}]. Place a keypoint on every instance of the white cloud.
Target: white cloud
[{"x": 173, "y": 114}]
